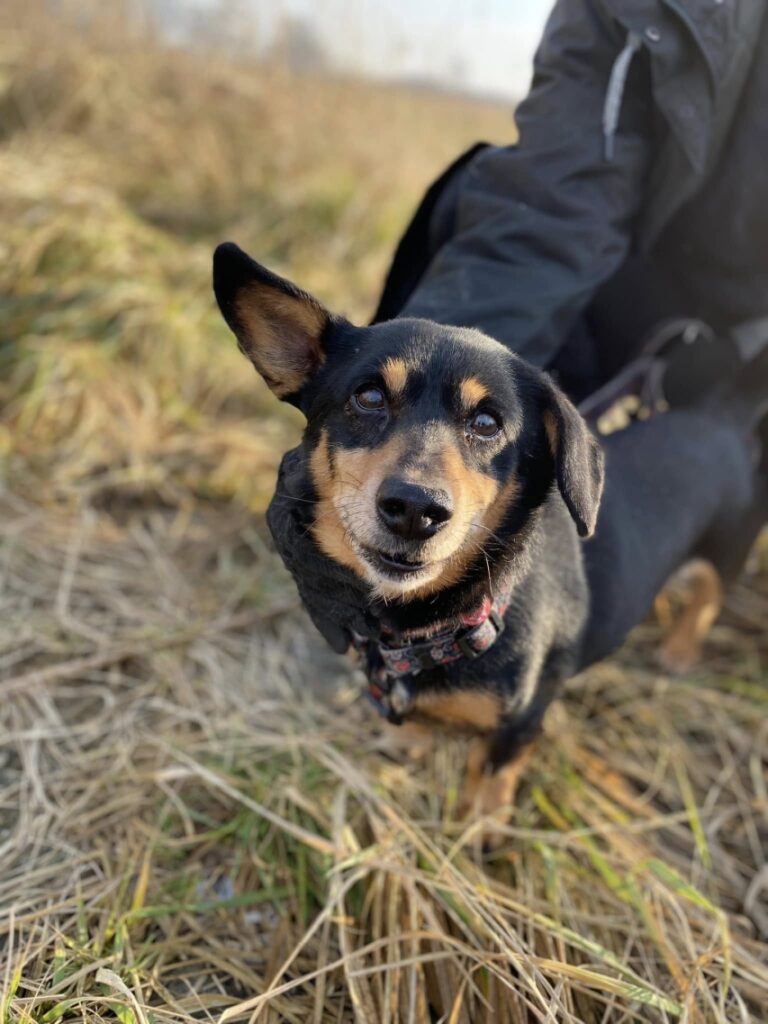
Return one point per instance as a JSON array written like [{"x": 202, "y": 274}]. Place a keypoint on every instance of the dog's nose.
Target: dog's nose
[{"x": 411, "y": 511}]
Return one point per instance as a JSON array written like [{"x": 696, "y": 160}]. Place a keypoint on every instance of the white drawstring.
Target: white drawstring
[{"x": 615, "y": 93}]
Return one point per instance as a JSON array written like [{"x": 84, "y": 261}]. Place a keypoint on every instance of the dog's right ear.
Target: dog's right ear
[{"x": 277, "y": 325}]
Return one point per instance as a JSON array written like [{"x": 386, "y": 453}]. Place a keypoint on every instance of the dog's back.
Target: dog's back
[{"x": 689, "y": 483}]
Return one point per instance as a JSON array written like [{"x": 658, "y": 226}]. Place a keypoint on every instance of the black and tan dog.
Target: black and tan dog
[{"x": 437, "y": 513}]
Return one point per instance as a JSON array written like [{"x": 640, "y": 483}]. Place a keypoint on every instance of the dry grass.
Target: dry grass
[{"x": 196, "y": 815}]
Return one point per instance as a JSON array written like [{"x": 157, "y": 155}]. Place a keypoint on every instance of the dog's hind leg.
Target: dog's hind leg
[{"x": 681, "y": 650}]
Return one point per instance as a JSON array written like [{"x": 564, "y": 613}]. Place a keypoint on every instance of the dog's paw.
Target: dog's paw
[
  {"x": 410, "y": 741},
  {"x": 485, "y": 833},
  {"x": 678, "y": 656},
  {"x": 490, "y": 797}
]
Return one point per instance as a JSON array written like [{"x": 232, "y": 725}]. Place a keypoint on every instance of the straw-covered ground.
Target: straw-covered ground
[{"x": 196, "y": 817}]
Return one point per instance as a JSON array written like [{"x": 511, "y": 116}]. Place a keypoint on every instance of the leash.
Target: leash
[{"x": 399, "y": 662}]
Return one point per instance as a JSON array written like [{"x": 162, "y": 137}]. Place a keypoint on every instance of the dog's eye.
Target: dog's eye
[
  {"x": 369, "y": 399},
  {"x": 483, "y": 424}
]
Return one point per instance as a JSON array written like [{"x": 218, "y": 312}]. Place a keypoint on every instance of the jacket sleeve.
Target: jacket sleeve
[{"x": 542, "y": 224}]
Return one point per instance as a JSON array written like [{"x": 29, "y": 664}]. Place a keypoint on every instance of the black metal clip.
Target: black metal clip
[{"x": 468, "y": 650}]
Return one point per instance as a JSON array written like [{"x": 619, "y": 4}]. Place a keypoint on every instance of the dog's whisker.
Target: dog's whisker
[
  {"x": 294, "y": 497},
  {"x": 480, "y": 526}
]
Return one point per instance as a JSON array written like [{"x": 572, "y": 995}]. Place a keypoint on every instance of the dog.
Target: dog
[{"x": 451, "y": 518}]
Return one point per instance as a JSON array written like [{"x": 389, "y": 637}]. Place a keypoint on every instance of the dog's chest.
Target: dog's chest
[{"x": 461, "y": 710}]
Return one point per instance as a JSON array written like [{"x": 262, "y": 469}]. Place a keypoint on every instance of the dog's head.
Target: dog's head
[{"x": 424, "y": 440}]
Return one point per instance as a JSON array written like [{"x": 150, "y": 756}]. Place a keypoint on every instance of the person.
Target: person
[
  {"x": 636, "y": 197},
  {"x": 636, "y": 194}
]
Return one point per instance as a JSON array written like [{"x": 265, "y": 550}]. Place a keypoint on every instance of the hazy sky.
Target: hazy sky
[{"x": 485, "y": 45}]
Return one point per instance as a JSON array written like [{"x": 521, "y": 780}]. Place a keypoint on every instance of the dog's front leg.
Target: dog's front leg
[
  {"x": 498, "y": 760},
  {"x": 489, "y": 789}
]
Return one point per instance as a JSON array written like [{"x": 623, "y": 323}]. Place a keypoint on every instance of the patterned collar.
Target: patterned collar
[{"x": 401, "y": 658}]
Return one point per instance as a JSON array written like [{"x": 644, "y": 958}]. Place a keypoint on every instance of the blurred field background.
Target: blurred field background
[{"x": 196, "y": 816}]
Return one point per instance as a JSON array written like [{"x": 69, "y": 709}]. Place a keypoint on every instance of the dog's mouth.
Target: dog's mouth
[{"x": 394, "y": 566}]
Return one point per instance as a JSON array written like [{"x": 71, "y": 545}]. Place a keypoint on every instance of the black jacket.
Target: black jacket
[{"x": 630, "y": 107}]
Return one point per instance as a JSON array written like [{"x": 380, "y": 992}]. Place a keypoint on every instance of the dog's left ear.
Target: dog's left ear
[
  {"x": 277, "y": 325},
  {"x": 579, "y": 459}
]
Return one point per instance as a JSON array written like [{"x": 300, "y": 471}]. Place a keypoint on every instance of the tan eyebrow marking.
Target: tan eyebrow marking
[
  {"x": 395, "y": 375},
  {"x": 472, "y": 392}
]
